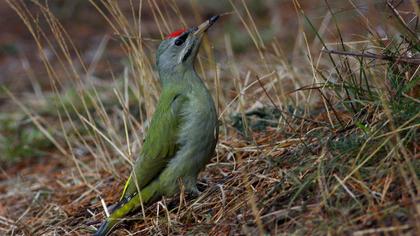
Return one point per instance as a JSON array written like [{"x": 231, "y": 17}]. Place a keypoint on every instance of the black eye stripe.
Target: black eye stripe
[
  {"x": 181, "y": 39},
  {"x": 187, "y": 54}
]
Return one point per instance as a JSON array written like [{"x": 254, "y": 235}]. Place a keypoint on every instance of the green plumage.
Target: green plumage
[
  {"x": 182, "y": 135},
  {"x": 161, "y": 141}
]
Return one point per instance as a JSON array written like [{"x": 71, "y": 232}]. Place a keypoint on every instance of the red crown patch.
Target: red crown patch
[{"x": 175, "y": 34}]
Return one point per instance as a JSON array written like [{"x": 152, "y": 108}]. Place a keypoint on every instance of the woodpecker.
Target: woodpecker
[{"x": 183, "y": 132}]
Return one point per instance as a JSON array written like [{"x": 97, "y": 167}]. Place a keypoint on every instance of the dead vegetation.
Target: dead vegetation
[{"x": 313, "y": 144}]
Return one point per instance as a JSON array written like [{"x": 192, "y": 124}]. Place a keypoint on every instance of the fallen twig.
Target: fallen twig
[{"x": 398, "y": 59}]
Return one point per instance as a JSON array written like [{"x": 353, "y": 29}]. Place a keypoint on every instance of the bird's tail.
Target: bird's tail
[{"x": 125, "y": 206}]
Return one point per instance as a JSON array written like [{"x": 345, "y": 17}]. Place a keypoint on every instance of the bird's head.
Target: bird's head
[{"x": 179, "y": 49}]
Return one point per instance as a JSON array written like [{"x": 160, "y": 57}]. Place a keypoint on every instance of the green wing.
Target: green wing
[{"x": 161, "y": 141}]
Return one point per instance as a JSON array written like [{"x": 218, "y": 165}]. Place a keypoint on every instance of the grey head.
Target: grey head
[{"x": 177, "y": 52}]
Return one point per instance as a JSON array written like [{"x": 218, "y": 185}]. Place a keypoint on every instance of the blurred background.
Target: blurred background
[{"x": 277, "y": 20}]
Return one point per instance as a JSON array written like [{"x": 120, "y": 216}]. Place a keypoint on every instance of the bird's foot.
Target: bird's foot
[{"x": 193, "y": 191}]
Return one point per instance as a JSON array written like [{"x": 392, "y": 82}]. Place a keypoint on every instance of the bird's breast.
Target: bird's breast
[{"x": 201, "y": 118}]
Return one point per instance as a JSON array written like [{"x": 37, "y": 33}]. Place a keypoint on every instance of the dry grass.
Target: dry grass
[{"x": 333, "y": 150}]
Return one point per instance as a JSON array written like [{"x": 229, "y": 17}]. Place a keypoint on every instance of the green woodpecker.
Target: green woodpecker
[{"x": 183, "y": 132}]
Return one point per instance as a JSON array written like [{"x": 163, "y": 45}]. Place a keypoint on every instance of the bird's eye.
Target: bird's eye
[
  {"x": 181, "y": 39},
  {"x": 179, "y": 42}
]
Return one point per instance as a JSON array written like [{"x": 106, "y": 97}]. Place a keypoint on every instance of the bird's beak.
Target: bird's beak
[
  {"x": 194, "y": 40},
  {"x": 201, "y": 29}
]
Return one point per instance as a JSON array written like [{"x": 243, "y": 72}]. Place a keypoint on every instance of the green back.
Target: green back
[{"x": 161, "y": 141}]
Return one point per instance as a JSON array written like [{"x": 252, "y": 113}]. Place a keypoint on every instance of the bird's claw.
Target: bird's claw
[{"x": 193, "y": 191}]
